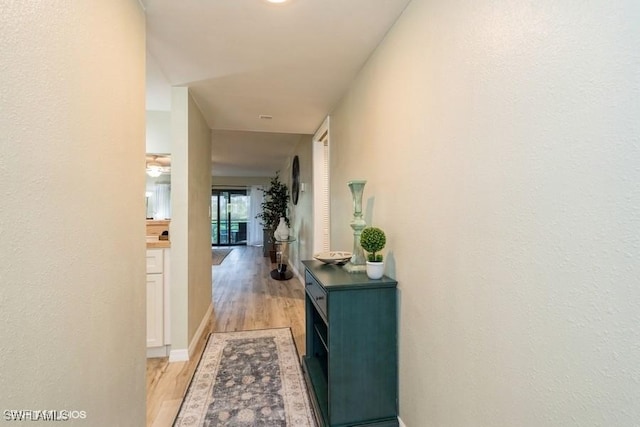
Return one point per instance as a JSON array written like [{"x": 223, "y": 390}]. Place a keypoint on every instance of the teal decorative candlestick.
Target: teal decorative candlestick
[{"x": 358, "y": 261}]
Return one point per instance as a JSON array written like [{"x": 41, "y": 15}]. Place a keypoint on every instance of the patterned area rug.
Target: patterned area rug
[
  {"x": 218, "y": 255},
  {"x": 250, "y": 378}
]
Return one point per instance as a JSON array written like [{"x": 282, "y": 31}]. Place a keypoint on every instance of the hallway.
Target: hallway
[{"x": 244, "y": 298}]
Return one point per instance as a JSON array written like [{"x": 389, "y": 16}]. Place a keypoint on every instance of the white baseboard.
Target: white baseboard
[
  {"x": 179, "y": 355},
  {"x": 201, "y": 328},
  {"x": 401, "y": 423},
  {"x": 297, "y": 274},
  {"x": 184, "y": 354},
  {"x": 162, "y": 351}
]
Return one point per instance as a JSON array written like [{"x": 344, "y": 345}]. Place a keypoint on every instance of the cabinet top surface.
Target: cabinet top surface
[
  {"x": 334, "y": 276},
  {"x": 158, "y": 244}
]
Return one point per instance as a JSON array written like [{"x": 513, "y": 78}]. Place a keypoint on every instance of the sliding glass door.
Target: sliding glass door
[{"x": 229, "y": 217}]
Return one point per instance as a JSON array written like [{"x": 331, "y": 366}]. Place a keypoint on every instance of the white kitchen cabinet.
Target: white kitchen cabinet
[
  {"x": 155, "y": 262},
  {"x": 155, "y": 308},
  {"x": 157, "y": 302}
]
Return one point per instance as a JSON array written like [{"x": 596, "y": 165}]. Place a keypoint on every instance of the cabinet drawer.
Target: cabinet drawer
[
  {"x": 154, "y": 261},
  {"x": 317, "y": 294}
]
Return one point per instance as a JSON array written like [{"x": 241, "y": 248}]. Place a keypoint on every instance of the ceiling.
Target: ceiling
[{"x": 246, "y": 58}]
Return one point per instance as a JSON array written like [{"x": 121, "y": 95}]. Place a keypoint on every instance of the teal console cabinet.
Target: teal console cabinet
[{"x": 351, "y": 365}]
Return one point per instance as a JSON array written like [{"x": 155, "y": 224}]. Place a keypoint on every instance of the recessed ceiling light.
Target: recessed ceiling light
[{"x": 276, "y": 1}]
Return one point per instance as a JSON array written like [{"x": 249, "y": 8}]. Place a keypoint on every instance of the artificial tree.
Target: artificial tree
[{"x": 274, "y": 206}]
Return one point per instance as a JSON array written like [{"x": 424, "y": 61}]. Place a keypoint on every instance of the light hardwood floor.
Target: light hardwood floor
[{"x": 244, "y": 297}]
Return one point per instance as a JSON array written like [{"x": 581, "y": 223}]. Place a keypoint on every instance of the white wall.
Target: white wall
[
  {"x": 301, "y": 215},
  {"x": 179, "y": 229},
  {"x": 72, "y": 263},
  {"x": 158, "y": 141},
  {"x": 190, "y": 220},
  {"x": 158, "y": 136},
  {"x": 501, "y": 145},
  {"x": 239, "y": 181}
]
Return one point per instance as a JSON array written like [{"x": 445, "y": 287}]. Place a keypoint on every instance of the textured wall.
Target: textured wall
[
  {"x": 72, "y": 264},
  {"x": 191, "y": 223},
  {"x": 501, "y": 145},
  {"x": 199, "y": 218}
]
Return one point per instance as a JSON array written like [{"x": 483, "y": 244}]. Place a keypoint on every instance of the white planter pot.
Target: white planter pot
[
  {"x": 375, "y": 270},
  {"x": 282, "y": 231}
]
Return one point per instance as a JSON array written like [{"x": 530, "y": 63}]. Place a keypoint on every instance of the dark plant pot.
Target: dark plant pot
[{"x": 267, "y": 242}]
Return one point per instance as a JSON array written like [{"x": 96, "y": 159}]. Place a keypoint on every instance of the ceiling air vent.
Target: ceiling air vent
[{"x": 265, "y": 117}]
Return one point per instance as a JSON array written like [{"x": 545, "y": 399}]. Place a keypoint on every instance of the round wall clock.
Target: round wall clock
[{"x": 295, "y": 180}]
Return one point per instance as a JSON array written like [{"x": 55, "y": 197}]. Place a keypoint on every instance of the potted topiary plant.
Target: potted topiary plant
[
  {"x": 274, "y": 207},
  {"x": 373, "y": 240}
]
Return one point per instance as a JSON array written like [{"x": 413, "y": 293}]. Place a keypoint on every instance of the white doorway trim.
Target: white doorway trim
[{"x": 321, "y": 197}]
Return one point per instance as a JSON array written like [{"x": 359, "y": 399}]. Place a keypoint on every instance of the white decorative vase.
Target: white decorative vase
[
  {"x": 282, "y": 231},
  {"x": 375, "y": 270}
]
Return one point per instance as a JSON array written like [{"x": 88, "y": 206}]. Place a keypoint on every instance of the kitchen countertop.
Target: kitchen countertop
[
  {"x": 158, "y": 244},
  {"x": 154, "y": 229}
]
